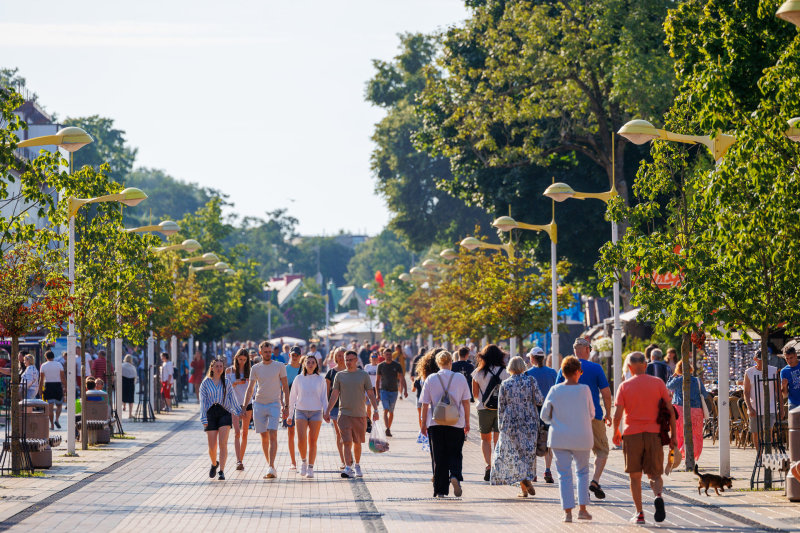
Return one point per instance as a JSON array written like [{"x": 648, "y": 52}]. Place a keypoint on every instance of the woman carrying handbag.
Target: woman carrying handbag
[{"x": 445, "y": 410}]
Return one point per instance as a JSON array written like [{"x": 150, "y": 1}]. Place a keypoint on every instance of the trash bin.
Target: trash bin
[
  {"x": 37, "y": 432},
  {"x": 97, "y": 415},
  {"x": 792, "y": 484}
]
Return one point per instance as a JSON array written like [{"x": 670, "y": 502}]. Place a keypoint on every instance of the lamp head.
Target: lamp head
[
  {"x": 308, "y": 295},
  {"x": 790, "y": 12},
  {"x": 221, "y": 266},
  {"x": 404, "y": 277},
  {"x": 230, "y": 271},
  {"x": 365, "y": 286},
  {"x": 470, "y": 243},
  {"x": 430, "y": 264},
  {"x": 168, "y": 227},
  {"x": 416, "y": 271},
  {"x": 70, "y": 139},
  {"x": 448, "y": 253},
  {"x": 559, "y": 192},
  {"x": 132, "y": 196},
  {"x": 639, "y": 131},
  {"x": 505, "y": 223},
  {"x": 210, "y": 258},
  {"x": 190, "y": 245},
  {"x": 794, "y": 128}
]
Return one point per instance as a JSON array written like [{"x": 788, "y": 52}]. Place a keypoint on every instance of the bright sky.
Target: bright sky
[{"x": 262, "y": 99}]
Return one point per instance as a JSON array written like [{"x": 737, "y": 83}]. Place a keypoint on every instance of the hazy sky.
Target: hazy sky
[{"x": 261, "y": 99}]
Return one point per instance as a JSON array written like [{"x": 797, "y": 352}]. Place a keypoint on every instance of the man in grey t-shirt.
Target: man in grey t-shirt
[
  {"x": 271, "y": 403},
  {"x": 350, "y": 387}
]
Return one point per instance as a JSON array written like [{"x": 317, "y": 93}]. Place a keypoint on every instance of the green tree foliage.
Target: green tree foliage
[
  {"x": 735, "y": 223},
  {"x": 422, "y": 213},
  {"x": 333, "y": 258},
  {"x": 109, "y": 147},
  {"x": 383, "y": 252},
  {"x": 169, "y": 198},
  {"x": 530, "y": 90},
  {"x": 268, "y": 241}
]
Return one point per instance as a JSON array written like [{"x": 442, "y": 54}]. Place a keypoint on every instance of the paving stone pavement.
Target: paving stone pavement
[{"x": 166, "y": 486}]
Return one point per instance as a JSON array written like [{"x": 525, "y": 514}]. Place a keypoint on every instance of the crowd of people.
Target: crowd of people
[{"x": 526, "y": 411}]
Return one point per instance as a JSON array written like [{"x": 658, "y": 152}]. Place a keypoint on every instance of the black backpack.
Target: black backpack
[{"x": 490, "y": 395}]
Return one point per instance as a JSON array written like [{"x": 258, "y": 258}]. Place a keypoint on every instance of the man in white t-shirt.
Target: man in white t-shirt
[
  {"x": 271, "y": 403},
  {"x": 757, "y": 409},
  {"x": 54, "y": 385}
]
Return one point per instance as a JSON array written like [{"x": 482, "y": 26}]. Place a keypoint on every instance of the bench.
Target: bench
[{"x": 776, "y": 461}]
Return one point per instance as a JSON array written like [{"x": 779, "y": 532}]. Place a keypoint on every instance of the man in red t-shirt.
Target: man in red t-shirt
[
  {"x": 102, "y": 367},
  {"x": 638, "y": 399}
]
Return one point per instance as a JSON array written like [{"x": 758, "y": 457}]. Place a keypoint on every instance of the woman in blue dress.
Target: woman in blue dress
[{"x": 514, "y": 457}]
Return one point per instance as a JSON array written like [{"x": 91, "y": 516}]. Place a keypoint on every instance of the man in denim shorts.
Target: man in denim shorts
[
  {"x": 389, "y": 383},
  {"x": 270, "y": 404}
]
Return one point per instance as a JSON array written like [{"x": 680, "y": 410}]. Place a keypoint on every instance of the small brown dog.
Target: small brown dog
[{"x": 712, "y": 481}]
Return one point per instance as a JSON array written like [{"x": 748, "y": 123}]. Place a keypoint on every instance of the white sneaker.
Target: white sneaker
[
  {"x": 348, "y": 472},
  {"x": 303, "y": 469},
  {"x": 310, "y": 471},
  {"x": 357, "y": 470},
  {"x": 271, "y": 473},
  {"x": 292, "y": 467}
]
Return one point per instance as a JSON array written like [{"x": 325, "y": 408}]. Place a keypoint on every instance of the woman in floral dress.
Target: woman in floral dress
[{"x": 514, "y": 457}]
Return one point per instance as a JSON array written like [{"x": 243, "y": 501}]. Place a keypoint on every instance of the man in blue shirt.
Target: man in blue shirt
[
  {"x": 790, "y": 377},
  {"x": 545, "y": 378},
  {"x": 657, "y": 367},
  {"x": 594, "y": 377}
]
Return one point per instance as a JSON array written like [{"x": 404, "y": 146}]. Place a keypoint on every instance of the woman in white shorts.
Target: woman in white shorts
[
  {"x": 239, "y": 375},
  {"x": 307, "y": 400}
]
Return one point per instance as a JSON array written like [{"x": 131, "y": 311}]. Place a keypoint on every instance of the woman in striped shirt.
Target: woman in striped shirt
[{"x": 217, "y": 404}]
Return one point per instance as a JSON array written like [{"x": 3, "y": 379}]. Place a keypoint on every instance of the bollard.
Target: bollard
[{"x": 793, "y": 484}]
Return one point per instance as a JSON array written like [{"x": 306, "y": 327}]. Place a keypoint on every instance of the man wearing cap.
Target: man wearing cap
[
  {"x": 545, "y": 378},
  {"x": 594, "y": 377},
  {"x": 790, "y": 377}
]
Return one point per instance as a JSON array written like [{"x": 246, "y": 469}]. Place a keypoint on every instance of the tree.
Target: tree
[
  {"x": 109, "y": 147},
  {"x": 727, "y": 231},
  {"x": 169, "y": 198},
  {"x": 527, "y": 91},
  {"x": 422, "y": 213},
  {"x": 381, "y": 253},
  {"x": 321, "y": 254},
  {"x": 34, "y": 298}
]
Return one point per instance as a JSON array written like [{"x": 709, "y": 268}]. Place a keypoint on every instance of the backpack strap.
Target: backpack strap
[{"x": 488, "y": 392}]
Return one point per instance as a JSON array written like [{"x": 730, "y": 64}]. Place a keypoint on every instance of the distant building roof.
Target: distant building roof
[{"x": 287, "y": 287}]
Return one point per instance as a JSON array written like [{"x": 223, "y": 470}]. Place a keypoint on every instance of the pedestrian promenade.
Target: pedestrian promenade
[{"x": 166, "y": 486}]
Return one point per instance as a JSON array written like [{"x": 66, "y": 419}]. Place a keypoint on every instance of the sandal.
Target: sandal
[
  {"x": 524, "y": 493},
  {"x": 528, "y": 487}
]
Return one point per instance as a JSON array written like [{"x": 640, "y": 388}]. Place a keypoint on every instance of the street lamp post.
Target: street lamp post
[
  {"x": 560, "y": 192},
  {"x": 130, "y": 197},
  {"x": 70, "y": 139},
  {"x": 507, "y": 224},
  {"x": 166, "y": 227},
  {"x": 146, "y": 400}
]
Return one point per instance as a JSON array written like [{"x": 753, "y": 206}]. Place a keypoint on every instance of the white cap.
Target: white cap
[{"x": 536, "y": 350}]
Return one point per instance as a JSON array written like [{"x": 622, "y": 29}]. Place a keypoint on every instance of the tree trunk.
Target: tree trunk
[
  {"x": 686, "y": 409},
  {"x": 766, "y": 406},
  {"x": 84, "y": 434},
  {"x": 16, "y": 430}
]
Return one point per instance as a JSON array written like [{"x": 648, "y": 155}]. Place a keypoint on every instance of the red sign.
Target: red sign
[{"x": 662, "y": 281}]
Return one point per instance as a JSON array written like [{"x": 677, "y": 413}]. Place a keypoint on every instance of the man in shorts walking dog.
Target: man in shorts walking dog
[
  {"x": 638, "y": 399},
  {"x": 271, "y": 403},
  {"x": 350, "y": 387}
]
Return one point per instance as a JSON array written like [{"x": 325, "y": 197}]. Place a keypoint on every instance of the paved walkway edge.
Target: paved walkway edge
[{"x": 53, "y": 498}]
